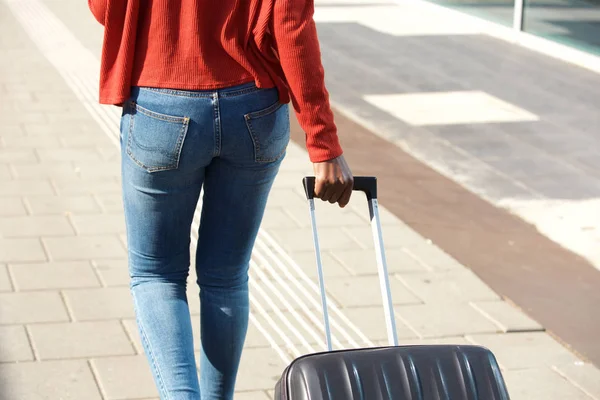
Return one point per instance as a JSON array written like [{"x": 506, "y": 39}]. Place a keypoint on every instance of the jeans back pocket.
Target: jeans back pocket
[
  {"x": 270, "y": 132},
  {"x": 155, "y": 140}
]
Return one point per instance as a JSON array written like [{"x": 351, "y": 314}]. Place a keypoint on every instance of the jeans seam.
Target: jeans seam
[
  {"x": 217, "y": 124},
  {"x": 144, "y": 338}
]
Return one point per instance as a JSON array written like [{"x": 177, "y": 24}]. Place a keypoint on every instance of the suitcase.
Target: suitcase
[{"x": 432, "y": 372}]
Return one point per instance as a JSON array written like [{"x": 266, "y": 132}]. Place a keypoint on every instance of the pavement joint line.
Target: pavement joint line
[
  {"x": 418, "y": 260},
  {"x": 54, "y": 187},
  {"x": 11, "y": 279},
  {"x": 97, "y": 380},
  {"x": 129, "y": 336},
  {"x": 488, "y": 316},
  {"x": 97, "y": 274},
  {"x": 45, "y": 249},
  {"x": 572, "y": 382},
  {"x": 34, "y": 351},
  {"x": 70, "y": 313},
  {"x": 350, "y": 271}
]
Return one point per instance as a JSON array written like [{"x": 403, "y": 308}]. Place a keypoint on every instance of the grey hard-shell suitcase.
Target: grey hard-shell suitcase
[{"x": 432, "y": 372}]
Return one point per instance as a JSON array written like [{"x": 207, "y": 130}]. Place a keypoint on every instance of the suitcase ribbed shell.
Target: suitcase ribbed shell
[{"x": 436, "y": 372}]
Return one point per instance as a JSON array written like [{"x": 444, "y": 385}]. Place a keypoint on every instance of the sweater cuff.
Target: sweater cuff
[{"x": 322, "y": 152}]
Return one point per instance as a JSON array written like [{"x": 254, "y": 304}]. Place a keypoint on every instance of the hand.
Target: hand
[{"x": 333, "y": 181}]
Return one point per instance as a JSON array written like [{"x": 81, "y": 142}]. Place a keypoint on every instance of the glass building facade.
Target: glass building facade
[{"x": 575, "y": 23}]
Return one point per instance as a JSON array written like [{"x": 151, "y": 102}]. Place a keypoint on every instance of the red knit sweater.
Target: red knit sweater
[{"x": 212, "y": 44}]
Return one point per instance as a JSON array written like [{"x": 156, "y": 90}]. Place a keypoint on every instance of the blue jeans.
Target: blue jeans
[{"x": 173, "y": 143}]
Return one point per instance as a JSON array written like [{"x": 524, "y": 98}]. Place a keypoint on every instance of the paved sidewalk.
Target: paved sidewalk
[{"x": 66, "y": 319}]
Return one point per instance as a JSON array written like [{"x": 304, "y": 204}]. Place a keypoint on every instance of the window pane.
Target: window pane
[
  {"x": 575, "y": 23},
  {"x": 500, "y": 11}
]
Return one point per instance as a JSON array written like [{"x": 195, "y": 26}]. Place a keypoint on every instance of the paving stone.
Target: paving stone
[
  {"x": 99, "y": 224},
  {"x": 21, "y": 250},
  {"x": 88, "y": 140},
  {"x": 287, "y": 198},
  {"x": 288, "y": 180},
  {"x": 127, "y": 377},
  {"x": 506, "y": 316},
  {"x": 15, "y": 344},
  {"x": 113, "y": 272},
  {"x": 394, "y": 237},
  {"x": 30, "y": 307},
  {"x": 432, "y": 257},
  {"x": 109, "y": 153},
  {"x": 525, "y": 350},
  {"x": 459, "y": 340},
  {"x": 306, "y": 260},
  {"x": 98, "y": 169},
  {"x": 525, "y": 384},
  {"x": 65, "y": 380},
  {"x": 16, "y": 156},
  {"x": 31, "y": 142},
  {"x": 434, "y": 320},
  {"x": 5, "y": 174},
  {"x": 371, "y": 322},
  {"x": 584, "y": 375},
  {"x": 80, "y": 339},
  {"x": 34, "y": 226},
  {"x": 251, "y": 395},
  {"x": 40, "y": 205},
  {"x": 98, "y": 304},
  {"x": 260, "y": 369},
  {"x": 386, "y": 217},
  {"x": 85, "y": 247},
  {"x": 63, "y": 169},
  {"x": 60, "y": 275},
  {"x": 364, "y": 262},
  {"x": 5, "y": 283},
  {"x": 276, "y": 217},
  {"x": 193, "y": 297},
  {"x": 54, "y": 128},
  {"x": 26, "y": 188},
  {"x": 110, "y": 203},
  {"x": 254, "y": 337},
  {"x": 327, "y": 215},
  {"x": 11, "y": 130},
  {"x": 12, "y": 206},
  {"x": 448, "y": 287},
  {"x": 301, "y": 239},
  {"x": 360, "y": 291},
  {"x": 133, "y": 334},
  {"x": 87, "y": 186},
  {"x": 85, "y": 154}
]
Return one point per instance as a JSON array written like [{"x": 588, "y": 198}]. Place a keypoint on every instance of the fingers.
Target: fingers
[
  {"x": 334, "y": 182},
  {"x": 345, "y": 197},
  {"x": 335, "y": 191}
]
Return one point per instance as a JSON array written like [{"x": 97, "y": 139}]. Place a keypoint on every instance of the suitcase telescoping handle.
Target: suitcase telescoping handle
[{"x": 367, "y": 185}]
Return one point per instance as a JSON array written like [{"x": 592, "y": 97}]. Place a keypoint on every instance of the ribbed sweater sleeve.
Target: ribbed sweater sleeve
[
  {"x": 295, "y": 35},
  {"x": 98, "y": 9}
]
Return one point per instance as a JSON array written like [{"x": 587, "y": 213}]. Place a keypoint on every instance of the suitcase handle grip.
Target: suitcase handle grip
[{"x": 365, "y": 184}]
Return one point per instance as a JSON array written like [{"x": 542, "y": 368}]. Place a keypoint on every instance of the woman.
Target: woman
[{"x": 204, "y": 87}]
